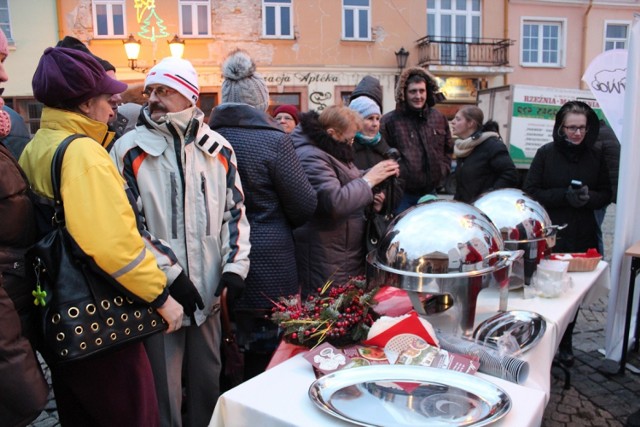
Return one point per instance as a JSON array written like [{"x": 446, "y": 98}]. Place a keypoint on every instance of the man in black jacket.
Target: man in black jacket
[{"x": 610, "y": 148}]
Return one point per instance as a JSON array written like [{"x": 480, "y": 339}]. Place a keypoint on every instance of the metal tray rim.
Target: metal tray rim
[
  {"x": 513, "y": 313},
  {"x": 398, "y": 373}
]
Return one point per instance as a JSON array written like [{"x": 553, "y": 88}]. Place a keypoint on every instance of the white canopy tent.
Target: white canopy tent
[{"x": 627, "y": 228}]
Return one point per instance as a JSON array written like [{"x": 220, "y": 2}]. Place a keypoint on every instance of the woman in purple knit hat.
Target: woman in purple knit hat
[{"x": 114, "y": 388}]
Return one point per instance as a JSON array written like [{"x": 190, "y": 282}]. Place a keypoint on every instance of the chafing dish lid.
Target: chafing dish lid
[
  {"x": 518, "y": 217},
  {"x": 441, "y": 237}
]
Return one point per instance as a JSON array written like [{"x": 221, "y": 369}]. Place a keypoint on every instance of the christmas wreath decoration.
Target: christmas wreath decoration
[{"x": 338, "y": 314}]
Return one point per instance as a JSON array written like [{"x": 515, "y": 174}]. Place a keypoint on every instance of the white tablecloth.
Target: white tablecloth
[
  {"x": 558, "y": 312},
  {"x": 279, "y": 396}
]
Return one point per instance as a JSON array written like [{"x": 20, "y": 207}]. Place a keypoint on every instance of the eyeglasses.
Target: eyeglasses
[
  {"x": 160, "y": 91},
  {"x": 575, "y": 129},
  {"x": 287, "y": 118}
]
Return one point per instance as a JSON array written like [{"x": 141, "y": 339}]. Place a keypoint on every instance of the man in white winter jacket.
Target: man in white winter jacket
[{"x": 185, "y": 179}]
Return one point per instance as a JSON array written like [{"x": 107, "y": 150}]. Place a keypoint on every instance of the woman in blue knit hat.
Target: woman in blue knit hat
[{"x": 370, "y": 148}]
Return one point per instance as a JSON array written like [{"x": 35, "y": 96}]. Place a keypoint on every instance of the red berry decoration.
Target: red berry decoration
[{"x": 338, "y": 314}]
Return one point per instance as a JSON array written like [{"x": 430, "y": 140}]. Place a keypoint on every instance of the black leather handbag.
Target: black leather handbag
[{"x": 84, "y": 311}]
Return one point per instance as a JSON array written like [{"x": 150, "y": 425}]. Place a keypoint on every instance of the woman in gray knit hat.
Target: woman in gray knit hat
[
  {"x": 242, "y": 83},
  {"x": 278, "y": 198}
]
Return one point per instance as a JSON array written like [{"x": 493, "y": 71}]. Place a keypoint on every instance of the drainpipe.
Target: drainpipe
[
  {"x": 505, "y": 8},
  {"x": 585, "y": 27},
  {"x": 60, "y": 19}
]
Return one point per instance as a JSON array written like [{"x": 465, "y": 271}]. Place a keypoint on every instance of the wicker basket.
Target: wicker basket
[{"x": 583, "y": 264}]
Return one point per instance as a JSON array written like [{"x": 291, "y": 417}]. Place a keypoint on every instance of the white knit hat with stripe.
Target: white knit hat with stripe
[{"x": 177, "y": 74}]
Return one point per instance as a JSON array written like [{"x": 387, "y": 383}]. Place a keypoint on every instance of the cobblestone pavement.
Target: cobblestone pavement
[{"x": 592, "y": 399}]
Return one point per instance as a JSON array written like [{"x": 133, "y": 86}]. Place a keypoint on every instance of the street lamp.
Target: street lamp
[
  {"x": 132, "y": 48},
  {"x": 176, "y": 46},
  {"x": 401, "y": 58}
]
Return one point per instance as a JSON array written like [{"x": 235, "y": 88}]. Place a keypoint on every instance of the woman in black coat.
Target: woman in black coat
[
  {"x": 570, "y": 178},
  {"x": 571, "y": 157},
  {"x": 483, "y": 161}
]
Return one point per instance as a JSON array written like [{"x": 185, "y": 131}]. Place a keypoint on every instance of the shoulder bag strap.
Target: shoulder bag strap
[{"x": 56, "y": 171}]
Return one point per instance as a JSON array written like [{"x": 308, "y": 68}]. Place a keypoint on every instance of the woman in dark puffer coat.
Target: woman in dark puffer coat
[
  {"x": 278, "y": 198},
  {"x": 330, "y": 246},
  {"x": 483, "y": 160}
]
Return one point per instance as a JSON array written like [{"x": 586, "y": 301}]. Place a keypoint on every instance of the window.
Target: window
[
  {"x": 108, "y": 18},
  {"x": 542, "y": 43},
  {"x": 356, "y": 15},
  {"x": 616, "y": 35},
  {"x": 455, "y": 24},
  {"x": 290, "y": 95},
  {"x": 290, "y": 98},
  {"x": 195, "y": 18},
  {"x": 5, "y": 21},
  {"x": 30, "y": 110},
  {"x": 207, "y": 101},
  {"x": 276, "y": 19}
]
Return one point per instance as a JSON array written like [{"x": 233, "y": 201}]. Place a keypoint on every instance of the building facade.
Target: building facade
[{"x": 313, "y": 52}]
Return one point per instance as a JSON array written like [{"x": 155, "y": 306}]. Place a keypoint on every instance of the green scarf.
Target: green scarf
[{"x": 368, "y": 141}]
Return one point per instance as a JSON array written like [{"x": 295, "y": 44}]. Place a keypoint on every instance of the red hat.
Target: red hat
[{"x": 289, "y": 109}]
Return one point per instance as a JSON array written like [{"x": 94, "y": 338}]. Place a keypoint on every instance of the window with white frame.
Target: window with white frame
[
  {"x": 195, "y": 18},
  {"x": 5, "y": 20},
  {"x": 455, "y": 24},
  {"x": 276, "y": 19},
  {"x": 542, "y": 43},
  {"x": 616, "y": 35},
  {"x": 356, "y": 18},
  {"x": 109, "y": 18}
]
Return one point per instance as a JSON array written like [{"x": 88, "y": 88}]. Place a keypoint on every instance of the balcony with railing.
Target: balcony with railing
[{"x": 463, "y": 52}]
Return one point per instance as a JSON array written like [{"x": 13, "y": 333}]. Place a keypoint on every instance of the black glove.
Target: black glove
[
  {"x": 577, "y": 197},
  {"x": 235, "y": 288},
  {"x": 184, "y": 291}
]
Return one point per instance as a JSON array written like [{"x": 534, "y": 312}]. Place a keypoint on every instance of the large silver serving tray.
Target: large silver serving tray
[
  {"x": 398, "y": 395},
  {"x": 526, "y": 327}
]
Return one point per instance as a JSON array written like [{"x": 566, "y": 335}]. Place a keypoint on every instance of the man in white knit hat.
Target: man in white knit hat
[{"x": 185, "y": 178}]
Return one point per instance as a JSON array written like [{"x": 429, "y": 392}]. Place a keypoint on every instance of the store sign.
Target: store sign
[
  {"x": 300, "y": 78},
  {"x": 534, "y": 114},
  {"x": 458, "y": 89}
]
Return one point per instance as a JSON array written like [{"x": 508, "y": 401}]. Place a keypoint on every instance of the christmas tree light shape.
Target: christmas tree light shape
[{"x": 152, "y": 26}]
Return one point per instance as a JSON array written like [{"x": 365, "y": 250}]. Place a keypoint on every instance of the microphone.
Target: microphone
[{"x": 392, "y": 153}]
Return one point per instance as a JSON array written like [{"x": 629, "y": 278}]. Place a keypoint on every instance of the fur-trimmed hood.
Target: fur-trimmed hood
[
  {"x": 432, "y": 86},
  {"x": 318, "y": 136}
]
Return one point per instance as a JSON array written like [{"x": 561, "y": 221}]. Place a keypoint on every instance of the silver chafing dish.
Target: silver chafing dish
[
  {"x": 443, "y": 253},
  {"x": 523, "y": 223}
]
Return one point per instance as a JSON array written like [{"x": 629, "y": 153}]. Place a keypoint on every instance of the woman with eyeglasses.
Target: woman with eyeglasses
[
  {"x": 286, "y": 116},
  {"x": 330, "y": 246},
  {"x": 569, "y": 177}
]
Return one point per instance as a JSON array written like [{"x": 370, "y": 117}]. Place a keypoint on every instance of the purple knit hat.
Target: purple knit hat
[{"x": 68, "y": 77}]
